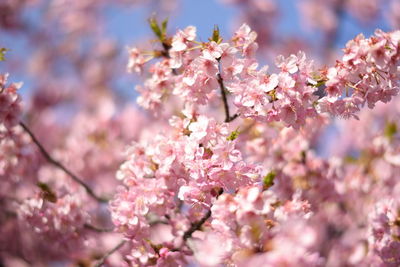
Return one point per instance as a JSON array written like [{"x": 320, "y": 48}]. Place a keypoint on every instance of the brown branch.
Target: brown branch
[
  {"x": 224, "y": 98},
  {"x": 97, "y": 229},
  {"x": 157, "y": 221},
  {"x": 56, "y": 163},
  {"x": 228, "y": 117},
  {"x": 197, "y": 225},
  {"x": 105, "y": 256},
  {"x": 165, "y": 53}
]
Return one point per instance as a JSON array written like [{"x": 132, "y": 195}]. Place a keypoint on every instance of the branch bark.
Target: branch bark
[
  {"x": 228, "y": 117},
  {"x": 105, "y": 256},
  {"x": 98, "y": 229},
  {"x": 197, "y": 225}
]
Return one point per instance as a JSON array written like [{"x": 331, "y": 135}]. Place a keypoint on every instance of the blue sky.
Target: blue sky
[{"x": 130, "y": 24}]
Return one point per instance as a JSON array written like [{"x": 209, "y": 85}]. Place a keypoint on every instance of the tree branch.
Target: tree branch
[
  {"x": 105, "y": 256},
  {"x": 56, "y": 163},
  {"x": 197, "y": 225},
  {"x": 97, "y": 229},
  {"x": 228, "y": 117}
]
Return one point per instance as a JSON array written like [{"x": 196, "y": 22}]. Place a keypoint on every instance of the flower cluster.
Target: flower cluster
[
  {"x": 10, "y": 108},
  {"x": 183, "y": 172},
  {"x": 385, "y": 231},
  {"x": 261, "y": 230},
  {"x": 199, "y": 169},
  {"x": 368, "y": 73},
  {"x": 287, "y": 96},
  {"x": 58, "y": 220}
]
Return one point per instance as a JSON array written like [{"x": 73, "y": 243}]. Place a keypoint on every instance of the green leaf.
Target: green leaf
[
  {"x": 233, "y": 135},
  {"x": 350, "y": 159},
  {"x": 215, "y": 35},
  {"x": 155, "y": 28},
  {"x": 390, "y": 130},
  {"x": 272, "y": 95},
  {"x": 2, "y": 53},
  {"x": 47, "y": 193},
  {"x": 318, "y": 84},
  {"x": 268, "y": 180},
  {"x": 388, "y": 47},
  {"x": 164, "y": 25}
]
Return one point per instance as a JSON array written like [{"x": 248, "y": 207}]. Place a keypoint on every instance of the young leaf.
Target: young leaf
[
  {"x": 164, "y": 29},
  {"x": 47, "y": 193},
  {"x": 268, "y": 180},
  {"x": 155, "y": 28},
  {"x": 2, "y": 53},
  {"x": 215, "y": 35},
  {"x": 390, "y": 130},
  {"x": 233, "y": 135}
]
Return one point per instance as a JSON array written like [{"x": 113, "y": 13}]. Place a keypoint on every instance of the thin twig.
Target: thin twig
[
  {"x": 224, "y": 99},
  {"x": 105, "y": 256},
  {"x": 165, "y": 53},
  {"x": 158, "y": 221},
  {"x": 56, "y": 163},
  {"x": 98, "y": 229},
  {"x": 228, "y": 117},
  {"x": 196, "y": 226}
]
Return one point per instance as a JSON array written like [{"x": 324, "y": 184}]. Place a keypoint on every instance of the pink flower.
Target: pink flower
[
  {"x": 136, "y": 60},
  {"x": 208, "y": 248},
  {"x": 225, "y": 155},
  {"x": 141, "y": 252},
  {"x": 212, "y": 49},
  {"x": 10, "y": 106},
  {"x": 183, "y": 38},
  {"x": 287, "y": 65},
  {"x": 383, "y": 230}
]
